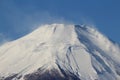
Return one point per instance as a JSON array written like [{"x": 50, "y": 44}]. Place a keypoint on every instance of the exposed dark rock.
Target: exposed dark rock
[
  {"x": 11, "y": 77},
  {"x": 51, "y": 75}
]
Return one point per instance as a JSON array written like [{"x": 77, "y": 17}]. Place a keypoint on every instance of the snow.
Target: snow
[{"x": 83, "y": 51}]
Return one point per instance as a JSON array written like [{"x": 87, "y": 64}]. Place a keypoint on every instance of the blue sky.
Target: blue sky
[{"x": 19, "y": 17}]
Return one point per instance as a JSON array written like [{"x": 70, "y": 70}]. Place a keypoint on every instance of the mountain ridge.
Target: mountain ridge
[{"x": 72, "y": 52}]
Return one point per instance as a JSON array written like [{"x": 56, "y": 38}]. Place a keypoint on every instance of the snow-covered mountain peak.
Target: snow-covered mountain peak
[{"x": 60, "y": 52}]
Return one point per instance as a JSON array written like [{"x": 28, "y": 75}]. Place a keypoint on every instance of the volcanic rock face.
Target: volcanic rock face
[
  {"x": 52, "y": 74},
  {"x": 60, "y": 52}
]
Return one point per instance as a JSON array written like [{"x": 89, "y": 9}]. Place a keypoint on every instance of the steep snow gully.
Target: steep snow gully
[{"x": 60, "y": 52}]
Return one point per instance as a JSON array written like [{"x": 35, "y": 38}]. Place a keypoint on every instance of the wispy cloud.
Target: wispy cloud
[{"x": 26, "y": 19}]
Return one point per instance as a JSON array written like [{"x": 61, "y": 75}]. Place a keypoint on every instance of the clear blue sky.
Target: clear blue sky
[{"x": 18, "y": 17}]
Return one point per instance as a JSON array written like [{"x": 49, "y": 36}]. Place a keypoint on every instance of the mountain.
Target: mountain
[{"x": 60, "y": 52}]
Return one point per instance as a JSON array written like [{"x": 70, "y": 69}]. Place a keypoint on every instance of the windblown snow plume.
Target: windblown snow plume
[{"x": 60, "y": 52}]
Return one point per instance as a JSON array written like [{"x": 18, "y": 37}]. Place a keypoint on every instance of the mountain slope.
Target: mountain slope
[{"x": 60, "y": 52}]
